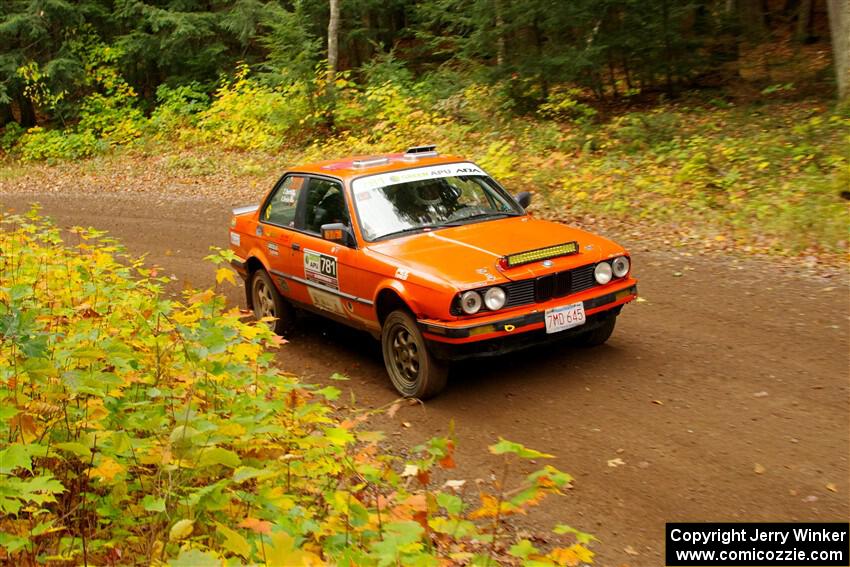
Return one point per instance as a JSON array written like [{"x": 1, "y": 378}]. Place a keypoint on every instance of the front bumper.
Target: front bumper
[
  {"x": 527, "y": 319},
  {"x": 515, "y": 342}
]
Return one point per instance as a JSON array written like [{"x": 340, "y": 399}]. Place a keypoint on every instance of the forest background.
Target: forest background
[{"x": 719, "y": 121}]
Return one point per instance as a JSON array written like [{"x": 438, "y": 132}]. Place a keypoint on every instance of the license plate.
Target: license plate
[{"x": 565, "y": 317}]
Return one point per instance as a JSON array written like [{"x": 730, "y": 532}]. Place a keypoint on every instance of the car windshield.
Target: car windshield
[{"x": 412, "y": 200}]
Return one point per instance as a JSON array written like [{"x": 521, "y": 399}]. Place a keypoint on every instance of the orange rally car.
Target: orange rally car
[{"x": 428, "y": 254}]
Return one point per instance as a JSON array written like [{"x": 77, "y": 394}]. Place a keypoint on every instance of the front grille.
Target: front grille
[
  {"x": 519, "y": 293},
  {"x": 552, "y": 285},
  {"x": 544, "y": 288},
  {"x": 583, "y": 278}
]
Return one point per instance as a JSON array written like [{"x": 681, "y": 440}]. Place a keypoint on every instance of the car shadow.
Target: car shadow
[
  {"x": 553, "y": 365},
  {"x": 312, "y": 330}
]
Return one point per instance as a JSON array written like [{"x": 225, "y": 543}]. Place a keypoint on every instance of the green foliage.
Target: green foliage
[
  {"x": 563, "y": 104},
  {"x": 247, "y": 114},
  {"x": 387, "y": 68},
  {"x": 294, "y": 50},
  {"x": 643, "y": 130},
  {"x": 177, "y": 108},
  {"x": 137, "y": 426},
  {"x": 608, "y": 48},
  {"x": 10, "y": 136},
  {"x": 40, "y": 144}
]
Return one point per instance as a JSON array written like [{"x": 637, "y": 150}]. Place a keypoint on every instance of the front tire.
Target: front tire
[
  {"x": 267, "y": 302},
  {"x": 413, "y": 370},
  {"x": 599, "y": 335}
]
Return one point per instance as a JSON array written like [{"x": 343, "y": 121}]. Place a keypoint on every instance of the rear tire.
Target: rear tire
[
  {"x": 267, "y": 302},
  {"x": 413, "y": 370},
  {"x": 599, "y": 335}
]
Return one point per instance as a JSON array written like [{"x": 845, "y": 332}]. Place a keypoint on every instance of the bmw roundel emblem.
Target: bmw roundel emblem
[{"x": 547, "y": 263}]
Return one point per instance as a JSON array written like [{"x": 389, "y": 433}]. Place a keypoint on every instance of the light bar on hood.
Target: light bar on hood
[{"x": 514, "y": 260}]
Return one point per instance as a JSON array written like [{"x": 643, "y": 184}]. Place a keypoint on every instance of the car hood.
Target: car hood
[{"x": 468, "y": 255}]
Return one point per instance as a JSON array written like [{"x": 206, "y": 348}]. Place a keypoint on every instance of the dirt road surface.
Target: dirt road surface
[{"x": 724, "y": 394}]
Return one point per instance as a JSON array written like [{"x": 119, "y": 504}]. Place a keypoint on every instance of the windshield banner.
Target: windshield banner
[{"x": 418, "y": 174}]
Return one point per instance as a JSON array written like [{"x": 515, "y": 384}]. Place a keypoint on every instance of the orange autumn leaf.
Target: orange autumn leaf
[
  {"x": 571, "y": 556},
  {"x": 424, "y": 477},
  {"x": 447, "y": 462},
  {"x": 417, "y": 502},
  {"x": 489, "y": 507},
  {"x": 106, "y": 470},
  {"x": 564, "y": 556},
  {"x": 422, "y": 518},
  {"x": 256, "y": 525},
  {"x": 27, "y": 425}
]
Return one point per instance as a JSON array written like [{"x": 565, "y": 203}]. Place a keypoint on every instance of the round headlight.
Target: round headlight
[
  {"x": 620, "y": 266},
  {"x": 494, "y": 298},
  {"x": 470, "y": 302},
  {"x": 602, "y": 273}
]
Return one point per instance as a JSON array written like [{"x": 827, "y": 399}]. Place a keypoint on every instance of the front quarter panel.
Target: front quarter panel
[
  {"x": 425, "y": 301},
  {"x": 426, "y": 295}
]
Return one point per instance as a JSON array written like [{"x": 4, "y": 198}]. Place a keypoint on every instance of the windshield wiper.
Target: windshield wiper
[
  {"x": 456, "y": 222},
  {"x": 413, "y": 229},
  {"x": 490, "y": 214}
]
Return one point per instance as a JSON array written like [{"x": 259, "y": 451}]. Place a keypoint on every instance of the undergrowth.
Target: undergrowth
[
  {"x": 768, "y": 175},
  {"x": 139, "y": 429}
]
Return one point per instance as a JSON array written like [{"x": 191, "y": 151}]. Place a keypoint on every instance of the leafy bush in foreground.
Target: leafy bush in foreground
[{"x": 136, "y": 428}]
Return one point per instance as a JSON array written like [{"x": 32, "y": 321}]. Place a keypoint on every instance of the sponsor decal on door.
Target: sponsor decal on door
[{"x": 321, "y": 269}]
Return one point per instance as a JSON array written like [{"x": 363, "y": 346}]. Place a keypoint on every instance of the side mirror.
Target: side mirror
[
  {"x": 337, "y": 232},
  {"x": 524, "y": 199}
]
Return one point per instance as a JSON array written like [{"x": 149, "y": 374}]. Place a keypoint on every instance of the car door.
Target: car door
[
  {"x": 326, "y": 273},
  {"x": 277, "y": 228}
]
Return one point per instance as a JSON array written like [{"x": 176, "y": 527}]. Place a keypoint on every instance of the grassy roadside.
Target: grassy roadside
[{"x": 762, "y": 179}]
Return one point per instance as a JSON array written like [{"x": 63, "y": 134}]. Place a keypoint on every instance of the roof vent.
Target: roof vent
[
  {"x": 420, "y": 151},
  {"x": 369, "y": 162}
]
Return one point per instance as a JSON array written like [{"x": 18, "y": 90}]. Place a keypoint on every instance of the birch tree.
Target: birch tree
[
  {"x": 333, "y": 40},
  {"x": 839, "y": 26}
]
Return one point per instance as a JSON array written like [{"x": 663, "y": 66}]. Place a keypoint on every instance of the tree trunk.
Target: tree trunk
[
  {"x": 538, "y": 42},
  {"x": 333, "y": 40},
  {"x": 612, "y": 76},
  {"x": 23, "y": 111},
  {"x": 839, "y": 26},
  {"x": 500, "y": 34},
  {"x": 627, "y": 73},
  {"x": 5, "y": 114},
  {"x": 804, "y": 21},
  {"x": 668, "y": 50},
  {"x": 751, "y": 17}
]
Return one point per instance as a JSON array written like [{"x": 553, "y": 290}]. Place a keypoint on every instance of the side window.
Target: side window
[
  {"x": 280, "y": 209},
  {"x": 323, "y": 204}
]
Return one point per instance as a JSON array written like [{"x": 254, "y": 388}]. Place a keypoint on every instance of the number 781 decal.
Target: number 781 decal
[{"x": 321, "y": 268}]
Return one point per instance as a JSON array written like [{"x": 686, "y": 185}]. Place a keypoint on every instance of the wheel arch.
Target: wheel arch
[
  {"x": 388, "y": 300},
  {"x": 252, "y": 264}
]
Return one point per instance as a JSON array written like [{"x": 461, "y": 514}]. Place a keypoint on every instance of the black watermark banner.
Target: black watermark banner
[{"x": 758, "y": 544}]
